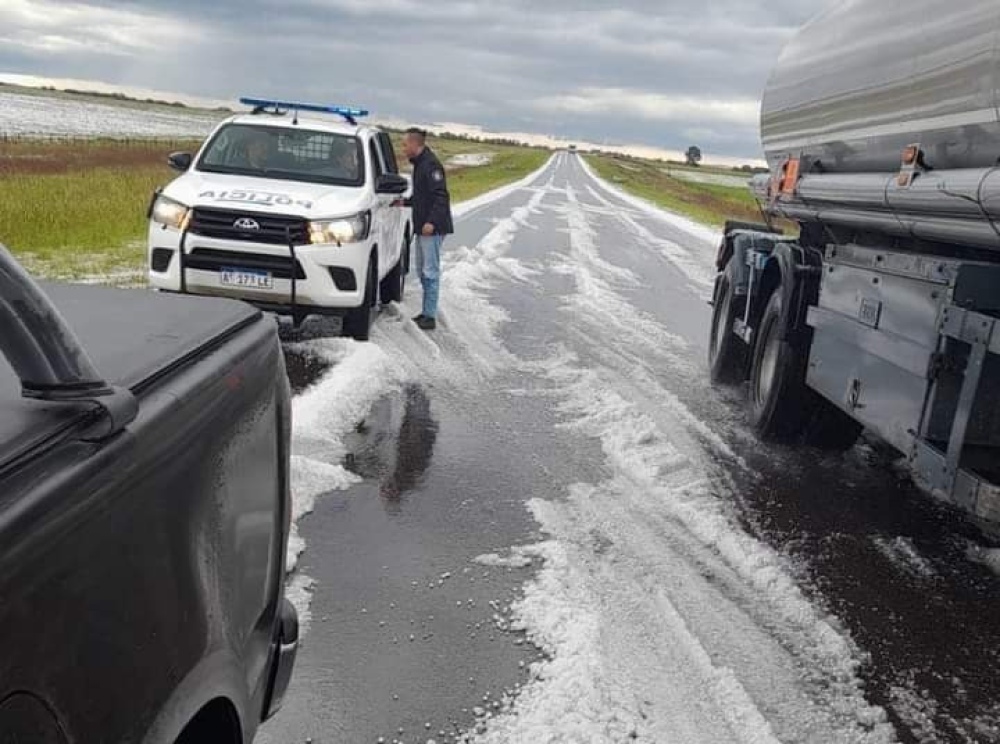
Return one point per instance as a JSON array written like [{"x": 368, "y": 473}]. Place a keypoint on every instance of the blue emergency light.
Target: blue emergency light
[{"x": 349, "y": 113}]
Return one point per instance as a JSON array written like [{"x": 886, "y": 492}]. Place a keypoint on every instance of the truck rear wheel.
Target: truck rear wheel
[
  {"x": 358, "y": 322},
  {"x": 726, "y": 353},
  {"x": 777, "y": 377},
  {"x": 782, "y": 407}
]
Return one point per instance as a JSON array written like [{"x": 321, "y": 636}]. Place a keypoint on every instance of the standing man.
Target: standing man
[{"x": 431, "y": 219}]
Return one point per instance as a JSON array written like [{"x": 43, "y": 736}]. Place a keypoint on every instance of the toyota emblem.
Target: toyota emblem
[{"x": 246, "y": 223}]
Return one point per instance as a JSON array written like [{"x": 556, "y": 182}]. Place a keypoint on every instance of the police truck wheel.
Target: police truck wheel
[
  {"x": 777, "y": 378},
  {"x": 726, "y": 352},
  {"x": 358, "y": 322}
]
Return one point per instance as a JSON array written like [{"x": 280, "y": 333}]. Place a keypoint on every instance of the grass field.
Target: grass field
[
  {"x": 77, "y": 209},
  {"x": 509, "y": 164},
  {"x": 709, "y": 203}
]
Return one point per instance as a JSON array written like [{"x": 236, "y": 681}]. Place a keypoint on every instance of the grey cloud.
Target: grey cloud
[{"x": 499, "y": 64}]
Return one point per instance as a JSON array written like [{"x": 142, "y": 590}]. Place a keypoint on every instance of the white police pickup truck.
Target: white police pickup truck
[{"x": 298, "y": 216}]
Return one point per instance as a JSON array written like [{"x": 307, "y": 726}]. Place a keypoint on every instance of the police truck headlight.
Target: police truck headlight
[
  {"x": 167, "y": 211},
  {"x": 345, "y": 230}
]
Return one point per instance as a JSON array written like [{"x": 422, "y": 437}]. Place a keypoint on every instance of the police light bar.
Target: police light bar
[{"x": 262, "y": 104}]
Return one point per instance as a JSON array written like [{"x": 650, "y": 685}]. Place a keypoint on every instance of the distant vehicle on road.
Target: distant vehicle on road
[
  {"x": 298, "y": 216},
  {"x": 883, "y": 313},
  {"x": 144, "y": 517}
]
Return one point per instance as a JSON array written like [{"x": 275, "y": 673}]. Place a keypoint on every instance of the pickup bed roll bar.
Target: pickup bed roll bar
[{"x": 46, "y": 355}]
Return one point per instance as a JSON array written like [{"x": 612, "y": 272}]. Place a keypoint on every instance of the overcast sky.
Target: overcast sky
[{"x": 666, "y": 73}]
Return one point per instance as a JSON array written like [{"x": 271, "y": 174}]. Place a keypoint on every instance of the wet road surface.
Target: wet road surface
[{"x": 541, "y": 524}]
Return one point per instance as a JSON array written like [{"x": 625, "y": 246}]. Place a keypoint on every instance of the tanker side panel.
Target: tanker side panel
[
  {"x": 868, "y": 78},
  {"x": 875, "y": 337}
]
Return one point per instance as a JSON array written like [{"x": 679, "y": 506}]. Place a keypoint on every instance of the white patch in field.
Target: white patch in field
[
  {"x": 471, "y": 160},
  {"x": 36, "y": 115}
]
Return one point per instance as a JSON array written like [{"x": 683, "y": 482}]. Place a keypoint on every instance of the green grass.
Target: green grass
[
  {"x": 710, "y": 204},
  {"x": 78, "y": 223},
  {"x": 507, "y": 167}
]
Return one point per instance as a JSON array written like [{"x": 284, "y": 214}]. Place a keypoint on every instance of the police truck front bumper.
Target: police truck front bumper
[{"x": 323, "y": 279}]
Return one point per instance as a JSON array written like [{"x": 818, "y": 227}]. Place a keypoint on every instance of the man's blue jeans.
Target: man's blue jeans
[{"x": 429, "y": 268}]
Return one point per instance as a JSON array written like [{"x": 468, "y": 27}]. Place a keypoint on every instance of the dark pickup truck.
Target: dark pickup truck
[{"x": 144, "y": 517}]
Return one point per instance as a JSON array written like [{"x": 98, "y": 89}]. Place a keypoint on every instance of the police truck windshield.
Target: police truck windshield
[{"x": 285, "y": 154}]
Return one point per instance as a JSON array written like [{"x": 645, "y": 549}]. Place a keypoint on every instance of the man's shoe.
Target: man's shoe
[
  {"x": 418, "y": 318},
  {"x": 426, "y": 324}
]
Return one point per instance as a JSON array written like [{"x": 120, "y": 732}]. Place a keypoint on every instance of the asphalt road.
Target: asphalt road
[{"x": 540, "y": 524}]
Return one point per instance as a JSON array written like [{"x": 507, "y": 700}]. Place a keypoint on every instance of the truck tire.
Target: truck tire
[
  {"x": 777, "y": 377},
  {"x": 393, "y": 286},
  {"x": 358, "y": 322},
  {"x": 726, "y": 353},
  {"x": 782, "y": 407}
]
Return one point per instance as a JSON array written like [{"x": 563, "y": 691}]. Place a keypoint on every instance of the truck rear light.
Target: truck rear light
[
  {"x": 789, "y": 177},
  {"x": 910, "y": 167}
]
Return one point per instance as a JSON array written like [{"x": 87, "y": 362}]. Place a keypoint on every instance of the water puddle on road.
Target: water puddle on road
[
  {"x": 394, "y": 446},
  {"x": 411, "y": 635}
]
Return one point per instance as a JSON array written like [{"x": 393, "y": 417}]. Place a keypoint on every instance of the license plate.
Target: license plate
[{"x": 247, "y": 278}]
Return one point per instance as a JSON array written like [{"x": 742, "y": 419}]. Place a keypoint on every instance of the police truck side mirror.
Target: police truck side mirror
[
  {"x": 180, "y": 161},
  {"x": 391, "y": 183}
]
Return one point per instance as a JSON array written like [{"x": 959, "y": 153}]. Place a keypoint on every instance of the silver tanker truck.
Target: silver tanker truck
[{"x": 881, "y": 128}]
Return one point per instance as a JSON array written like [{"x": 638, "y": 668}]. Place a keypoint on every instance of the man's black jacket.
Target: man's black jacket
[{"x": 430, "y": 202}]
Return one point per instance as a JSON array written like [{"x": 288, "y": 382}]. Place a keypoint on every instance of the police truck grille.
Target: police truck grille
[
  {"x": 249, "y": 226},
  {"x": 208, "y": 259}
]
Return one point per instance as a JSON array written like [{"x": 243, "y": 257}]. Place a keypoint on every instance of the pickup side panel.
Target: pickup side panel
[{"x": 158, "y": 551}]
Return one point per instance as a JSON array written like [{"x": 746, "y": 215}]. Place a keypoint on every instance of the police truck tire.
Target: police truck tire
[
  {"x": 358, "y": 322},
  {"x": 777, "y": 378},
  {"x": 727, "y": 354}
]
